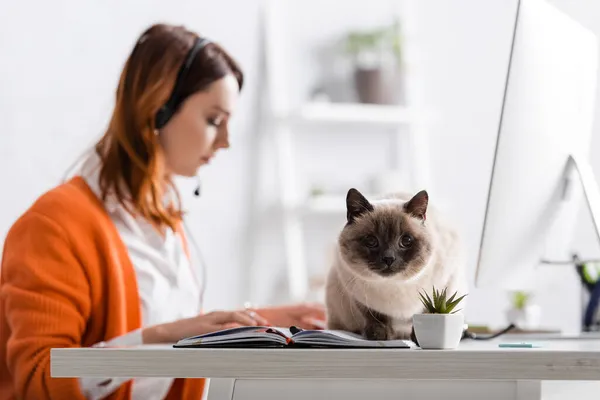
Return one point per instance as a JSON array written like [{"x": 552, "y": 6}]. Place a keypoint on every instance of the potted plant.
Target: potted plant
[
  {"x": 522, "y": 313},
  {"x": 376, "y": 57},
  {"x": 441, "y": 325},
  {"x": 317, "y": 191}
]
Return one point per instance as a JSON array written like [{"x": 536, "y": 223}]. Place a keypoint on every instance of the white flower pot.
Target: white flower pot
[
  {"x": 438, "y": 331},
  {"x": 527, "y": 318}
]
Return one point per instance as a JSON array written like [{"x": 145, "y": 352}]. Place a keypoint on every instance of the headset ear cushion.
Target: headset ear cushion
[{"x": 162, "y": 116}]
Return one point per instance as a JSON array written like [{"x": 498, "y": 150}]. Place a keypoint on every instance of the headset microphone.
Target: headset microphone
[{"x": 197, "y": 191}]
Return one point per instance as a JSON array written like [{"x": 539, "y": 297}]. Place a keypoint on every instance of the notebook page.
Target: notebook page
[{"x": 344, "y": 339}]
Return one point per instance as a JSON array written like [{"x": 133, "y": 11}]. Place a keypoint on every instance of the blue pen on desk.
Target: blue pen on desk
[{"x": 519, "y": 345}]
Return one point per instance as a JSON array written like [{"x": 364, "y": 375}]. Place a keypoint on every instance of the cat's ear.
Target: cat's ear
[
  {"x": 356, "y": 205},
  {"x": 417, "y": 206}
]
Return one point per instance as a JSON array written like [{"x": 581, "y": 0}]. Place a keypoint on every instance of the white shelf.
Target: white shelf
[
  {"x": 284, "y": 120},
  {"x": 350, "y": 113},
  {"x": 327, "y": 204}
]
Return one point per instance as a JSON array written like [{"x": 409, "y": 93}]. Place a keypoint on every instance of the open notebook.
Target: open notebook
[{"x": 253, "y": 336}]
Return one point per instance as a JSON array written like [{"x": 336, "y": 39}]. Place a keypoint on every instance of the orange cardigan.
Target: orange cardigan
[{"x": 66, "y": 280}]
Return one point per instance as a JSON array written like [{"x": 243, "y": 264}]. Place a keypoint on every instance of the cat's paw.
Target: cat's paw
[{"x": 377, "y": 332}]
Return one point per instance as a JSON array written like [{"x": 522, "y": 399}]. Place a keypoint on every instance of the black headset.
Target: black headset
[{"x": 166, "y": 112}]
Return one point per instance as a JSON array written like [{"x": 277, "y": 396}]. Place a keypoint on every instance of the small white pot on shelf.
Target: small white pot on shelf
[
  {"x": 527, "y": 318},
  {"x": 438, "y": 331}
]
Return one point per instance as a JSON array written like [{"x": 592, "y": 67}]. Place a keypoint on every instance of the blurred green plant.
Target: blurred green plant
[
  {"x": 520, "y": 299},
  {"x": 317, "y": 191},
  {"x": 379, "y": 40}
]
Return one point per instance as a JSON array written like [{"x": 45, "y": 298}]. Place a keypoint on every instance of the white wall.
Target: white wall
[
  {"x": 59, "y": 67},
  {"x": 466, "y": 49},
  {"x": 58, "y": 73}
]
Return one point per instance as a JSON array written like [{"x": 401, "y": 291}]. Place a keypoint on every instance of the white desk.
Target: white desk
[{"x": 474, "y": 371}]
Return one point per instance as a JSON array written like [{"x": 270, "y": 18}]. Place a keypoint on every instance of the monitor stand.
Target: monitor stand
[
  {"x": 582, "y": 168},
  {"x": 589, "y": 185},
  {"x": 591, "y": 191}
]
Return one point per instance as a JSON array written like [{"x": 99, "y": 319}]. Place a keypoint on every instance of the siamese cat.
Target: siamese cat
[{"x": 389, "y": 250}]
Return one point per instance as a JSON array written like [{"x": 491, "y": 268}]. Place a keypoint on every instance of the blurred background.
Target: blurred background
[{"x": 379, "y": 95}]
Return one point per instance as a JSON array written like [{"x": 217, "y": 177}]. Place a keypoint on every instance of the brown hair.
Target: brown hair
[{"x": 132, "y": 159}]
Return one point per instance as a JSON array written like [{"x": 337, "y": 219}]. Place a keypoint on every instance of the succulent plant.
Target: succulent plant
[{"x": 439, "y": 303}]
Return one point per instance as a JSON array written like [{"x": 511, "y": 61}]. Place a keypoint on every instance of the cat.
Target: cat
[{"x": 389, "y": 250}]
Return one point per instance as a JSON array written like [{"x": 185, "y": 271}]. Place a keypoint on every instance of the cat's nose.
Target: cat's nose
[{"x": 388, "y": 260}]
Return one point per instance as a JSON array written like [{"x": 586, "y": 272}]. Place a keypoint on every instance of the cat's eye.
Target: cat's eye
[
  {"x": 406, "y": 241},
  {"x": 371, "y": 241}
]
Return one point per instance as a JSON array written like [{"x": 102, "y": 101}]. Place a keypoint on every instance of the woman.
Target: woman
[{"x": 101, "y": 259}]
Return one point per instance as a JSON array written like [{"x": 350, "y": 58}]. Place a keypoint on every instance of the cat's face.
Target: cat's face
[{"x": 389, "y": 240}]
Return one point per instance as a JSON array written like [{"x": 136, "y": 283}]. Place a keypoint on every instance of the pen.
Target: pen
[{"x": 519, "y": 345}]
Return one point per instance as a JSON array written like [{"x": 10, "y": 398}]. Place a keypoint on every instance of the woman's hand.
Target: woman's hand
[
  {"x": 303, "y": 315},
  {"x": 214, "y": 321}
]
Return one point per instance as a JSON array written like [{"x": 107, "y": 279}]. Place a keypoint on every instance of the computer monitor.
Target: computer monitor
[{"x": 540, "y": 161}]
